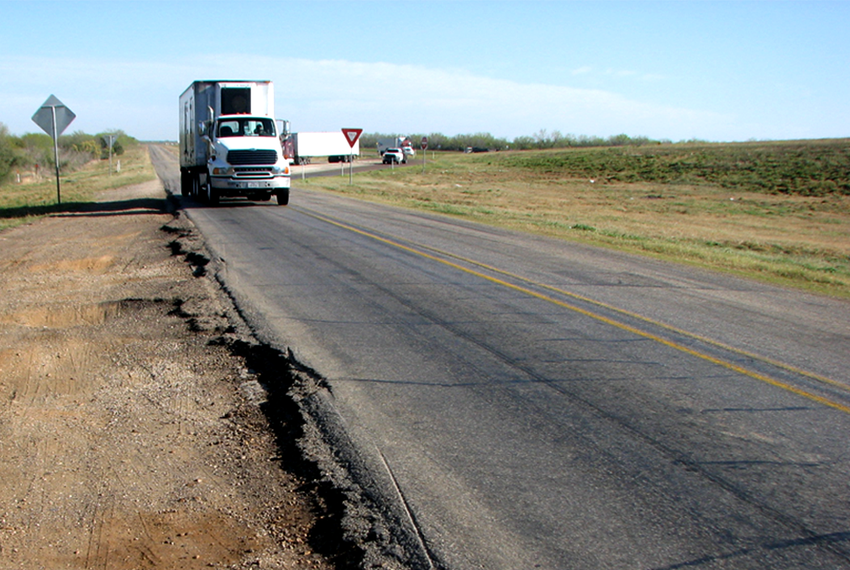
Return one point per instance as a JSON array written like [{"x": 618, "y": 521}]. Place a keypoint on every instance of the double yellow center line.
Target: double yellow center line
[{"x": 442, "y": 258}]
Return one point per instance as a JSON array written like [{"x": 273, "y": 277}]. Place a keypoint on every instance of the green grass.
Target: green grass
[
  {"x": 778, "y": 211},
  {"x": 808, "y": 168},
  {"x": 24, "y": 203}
]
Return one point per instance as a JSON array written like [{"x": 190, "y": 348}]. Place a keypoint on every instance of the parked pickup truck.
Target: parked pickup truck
[{"x": 394, "y": 155}]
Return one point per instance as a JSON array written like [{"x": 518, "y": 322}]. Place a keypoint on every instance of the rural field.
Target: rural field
[
  {"x": 23, "y": 203},
  {"x": 775, "y": 211}
]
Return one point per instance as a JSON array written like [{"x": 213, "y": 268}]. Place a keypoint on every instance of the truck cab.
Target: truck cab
[{"x": 246, "y": 158}]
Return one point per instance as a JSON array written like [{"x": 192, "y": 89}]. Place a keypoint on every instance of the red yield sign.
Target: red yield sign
[{"x": 351, "y": 135}]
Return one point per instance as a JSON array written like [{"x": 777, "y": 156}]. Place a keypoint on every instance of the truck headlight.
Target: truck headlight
[{"x": 223, "y": 171}]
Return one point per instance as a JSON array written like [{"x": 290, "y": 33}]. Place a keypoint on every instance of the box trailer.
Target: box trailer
[
  {"x": 229, "y": 142},
  {"x": 302, "y": 148}
]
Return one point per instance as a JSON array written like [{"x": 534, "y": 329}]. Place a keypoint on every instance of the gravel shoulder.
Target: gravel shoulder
[{"x": 134, "y": 429}]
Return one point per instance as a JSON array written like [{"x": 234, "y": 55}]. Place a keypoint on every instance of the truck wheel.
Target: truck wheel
[
  {"x": 283, "y": 197},
  {"x": 212, "y": 193},
  {"x": 185, "y": 184}
]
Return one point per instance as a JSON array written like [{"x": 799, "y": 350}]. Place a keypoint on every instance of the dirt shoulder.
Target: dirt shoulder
[{"x": 132, "y": 424}]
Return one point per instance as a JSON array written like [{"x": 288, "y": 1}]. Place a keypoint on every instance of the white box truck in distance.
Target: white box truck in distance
[
  {"x": 229, "y": 144},
  {"x": 302, "y": 147}
]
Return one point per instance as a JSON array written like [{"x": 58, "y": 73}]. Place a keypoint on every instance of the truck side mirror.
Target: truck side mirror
[{"x": 202, "y": 128}]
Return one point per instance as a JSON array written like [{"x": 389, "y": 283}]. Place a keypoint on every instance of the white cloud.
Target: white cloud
[{"x": 140, "y": 97}]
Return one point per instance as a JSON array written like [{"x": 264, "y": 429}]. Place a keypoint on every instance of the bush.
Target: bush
[
  {"x": 7, "y": 153},
  {"x": 541, "y": 140},
  {"x": 35, "y": 150}
]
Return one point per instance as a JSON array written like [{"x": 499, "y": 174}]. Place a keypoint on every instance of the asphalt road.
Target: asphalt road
[{"x": 541, "y": 404}]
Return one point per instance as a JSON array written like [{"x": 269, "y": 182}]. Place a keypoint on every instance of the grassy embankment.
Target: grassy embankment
[
  {"x": 23, "y": 203},
  {"x": 775, "y": 211}
]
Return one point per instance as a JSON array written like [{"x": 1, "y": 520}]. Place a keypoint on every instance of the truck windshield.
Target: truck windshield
[{"x": 247, "y": 127}]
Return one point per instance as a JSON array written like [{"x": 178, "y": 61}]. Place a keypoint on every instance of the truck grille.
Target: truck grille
[
  {"x": 253, "y": 172},
  {"x": 237, "y": 157}
]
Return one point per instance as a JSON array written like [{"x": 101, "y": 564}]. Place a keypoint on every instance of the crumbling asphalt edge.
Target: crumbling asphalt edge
[{"x": 366, "y": 523}]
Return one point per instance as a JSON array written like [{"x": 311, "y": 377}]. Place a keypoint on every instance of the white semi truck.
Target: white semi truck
[
  {"x": 303, "y": 147},
  {"x": 229, "y": 142}
]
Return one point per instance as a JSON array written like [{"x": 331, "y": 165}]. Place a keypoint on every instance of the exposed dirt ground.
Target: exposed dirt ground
[{"x": 132, "y": 432}]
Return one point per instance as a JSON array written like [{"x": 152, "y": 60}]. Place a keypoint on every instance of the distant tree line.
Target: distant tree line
[
  {"x": 34, "y": 151},
  {"x": 485, "y": 141}
]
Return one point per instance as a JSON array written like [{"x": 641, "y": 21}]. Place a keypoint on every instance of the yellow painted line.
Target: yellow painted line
[
  {"x": 652, "y": 322},
  {"x": 598, "y": 317}
]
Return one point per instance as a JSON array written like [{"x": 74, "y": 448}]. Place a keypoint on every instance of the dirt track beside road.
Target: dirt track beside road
[{"x": 131, "y": 435}]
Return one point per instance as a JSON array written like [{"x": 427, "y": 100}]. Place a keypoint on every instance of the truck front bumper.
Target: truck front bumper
[{"x": 249, "y": 185}]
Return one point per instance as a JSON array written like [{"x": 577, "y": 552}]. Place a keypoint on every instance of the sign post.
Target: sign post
[
  {"x": 424, "y": 145},
  {"x": 110, "y": 141},
  {"x": 54, "y": 117},
  {"x": 351, "y": 135}
]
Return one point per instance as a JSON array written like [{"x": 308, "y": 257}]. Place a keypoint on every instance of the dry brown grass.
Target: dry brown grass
[
  {"x": 22, "y": 203},
  {"x": 799, "y": 241}
]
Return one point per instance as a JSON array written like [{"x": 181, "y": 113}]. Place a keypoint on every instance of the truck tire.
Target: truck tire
[
  {"x": 211, "y": 193},
  {"x": 185, "y": 184},
  {"x": 283, "y": 197}
]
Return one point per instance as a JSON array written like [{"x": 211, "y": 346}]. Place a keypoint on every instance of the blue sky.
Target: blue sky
[{"x": 676, "y": 70}]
